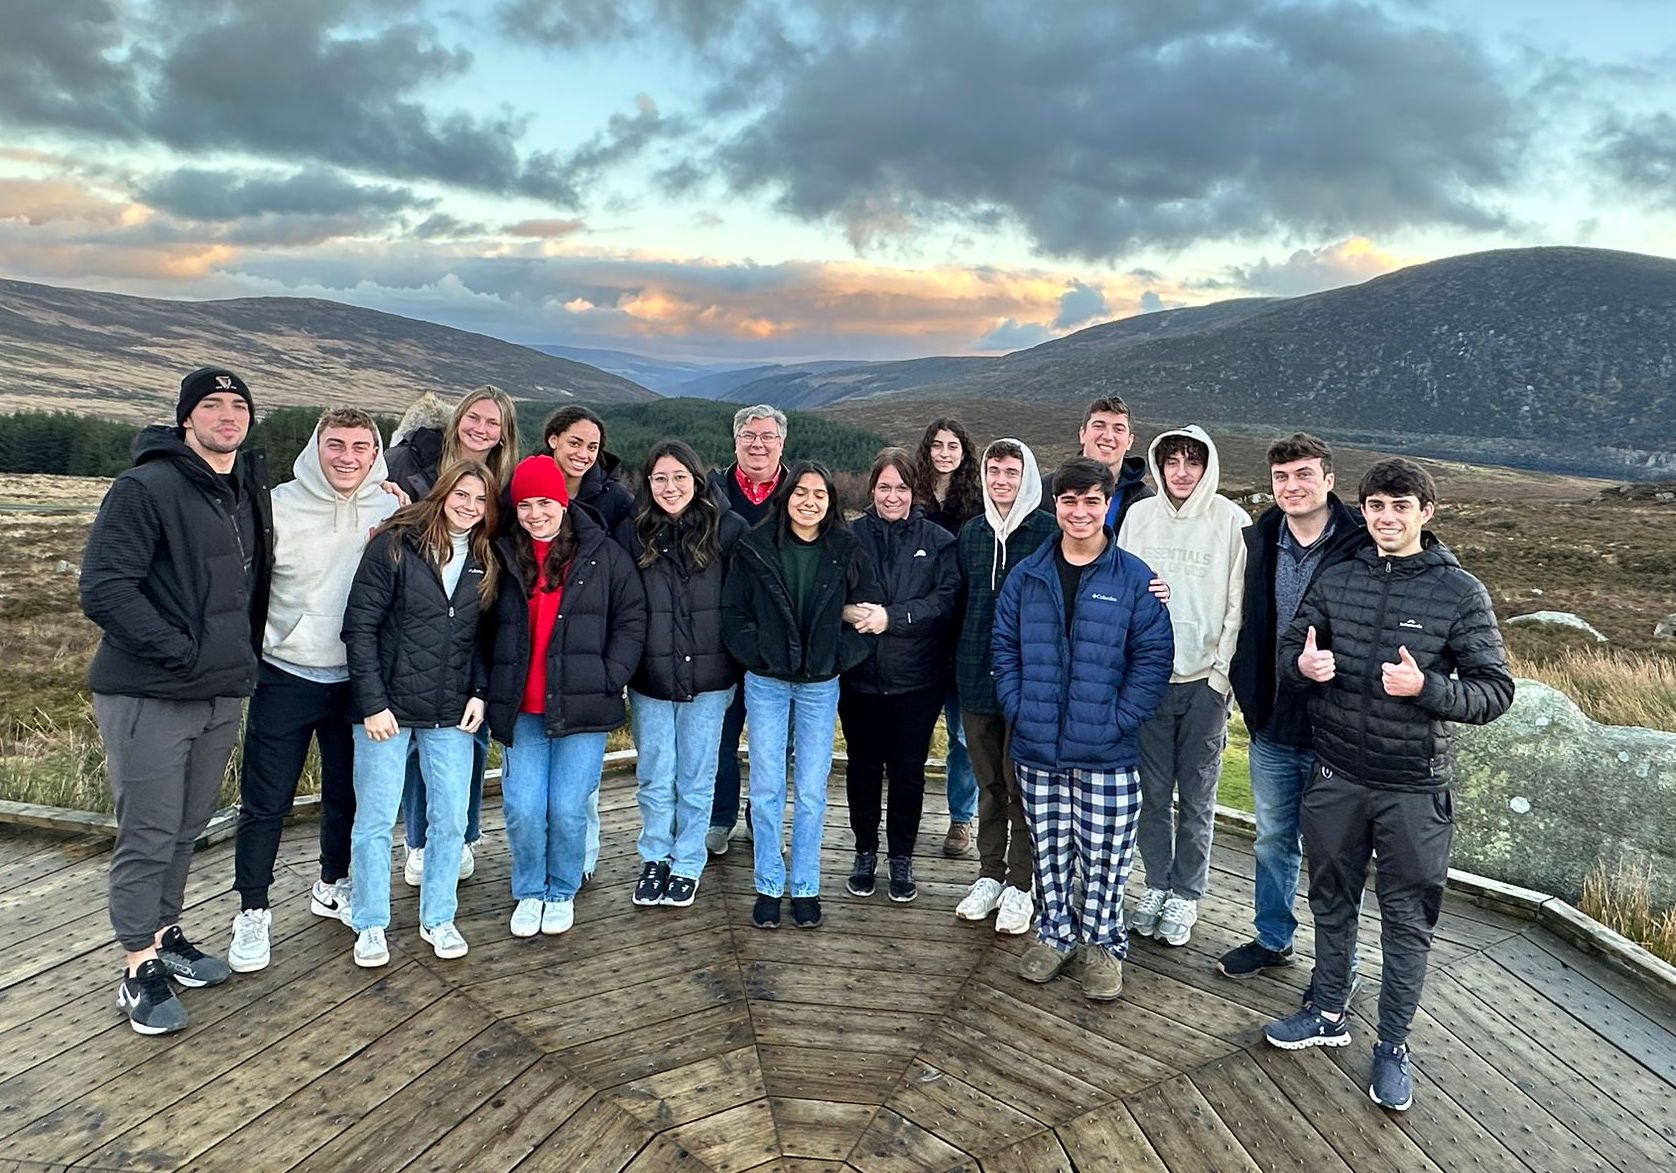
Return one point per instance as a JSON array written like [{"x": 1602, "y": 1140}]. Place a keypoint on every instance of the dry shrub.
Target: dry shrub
[
  {"x": 1621, "y": 899},
  {"x": 1611, "y": 685}
]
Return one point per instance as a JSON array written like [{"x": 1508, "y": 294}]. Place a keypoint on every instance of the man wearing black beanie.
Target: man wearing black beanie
[{"x": 176, "y": 576}]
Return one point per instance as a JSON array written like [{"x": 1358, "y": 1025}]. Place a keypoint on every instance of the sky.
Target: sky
[{"x": 732, "y": 181}]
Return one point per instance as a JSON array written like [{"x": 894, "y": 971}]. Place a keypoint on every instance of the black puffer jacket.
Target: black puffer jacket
[
  {"x": 724, "y": 486},
  {"x": 597, "y": 638},
  {"x": 1276, "y": 710},
  {"x": 413, "y": 649},
  {"x": 603, "y": 491},
  {"x": 685, "y": 654},
  {"x": 1363, "y": 610},
  {"x": 413, "y": 463},
  {"x": 918, "y": 569},
  {"x": 760, "y": 624},
  {"x": 163, "y": 576}
]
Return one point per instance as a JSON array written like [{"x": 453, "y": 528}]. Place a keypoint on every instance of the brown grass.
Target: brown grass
[
  {"x": 1621, "y": 900},
  {"x": 1610, "y": 685}
]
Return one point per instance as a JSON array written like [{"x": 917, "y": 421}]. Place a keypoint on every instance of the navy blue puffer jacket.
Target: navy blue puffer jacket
[{"x": 1078, "y": 702}]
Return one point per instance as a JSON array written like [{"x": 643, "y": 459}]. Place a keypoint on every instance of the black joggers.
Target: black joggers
[{"x": 887, "y": 734}]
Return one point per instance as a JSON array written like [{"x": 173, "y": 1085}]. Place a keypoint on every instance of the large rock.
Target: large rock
[
  {"x": 1544, "y": 794},
  {"x": 1665, "y": 628},
  {"x": 1557, "y": 619}
]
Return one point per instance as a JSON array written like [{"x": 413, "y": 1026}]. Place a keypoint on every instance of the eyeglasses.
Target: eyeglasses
[
  {"x": 663, "y": 480},
  {"x": 764, "y": 438}
]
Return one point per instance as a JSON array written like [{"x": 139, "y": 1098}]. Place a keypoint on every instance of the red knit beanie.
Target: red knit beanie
[{"x": 539, "y": 476}]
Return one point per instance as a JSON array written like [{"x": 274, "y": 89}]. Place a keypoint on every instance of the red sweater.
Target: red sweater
[{"x": 544, "y": 609}]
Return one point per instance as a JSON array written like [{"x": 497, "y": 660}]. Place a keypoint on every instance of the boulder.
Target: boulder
[
  {"x": 1544, "y": 794},
  {"x": 1665, "y": 628},
  {"x": 1558, "y": 619}
]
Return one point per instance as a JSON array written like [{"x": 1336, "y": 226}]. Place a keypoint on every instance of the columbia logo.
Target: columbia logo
[
  {"x": 475, "y": 569},
  {"x": 1412, "y": 625},
  {"x": 919, "y": 554},
  {"x": 1103, "y": 598}
]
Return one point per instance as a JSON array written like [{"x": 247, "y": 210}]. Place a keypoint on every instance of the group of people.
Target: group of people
[{"x": 1082, "y": 636}]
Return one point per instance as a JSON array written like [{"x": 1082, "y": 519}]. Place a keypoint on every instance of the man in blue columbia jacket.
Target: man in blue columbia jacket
[{"x": 1082, "y": 654}]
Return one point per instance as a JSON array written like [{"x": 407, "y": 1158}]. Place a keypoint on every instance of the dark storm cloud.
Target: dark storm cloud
[
  {"x": 63, "y": 65},
  {"x": 1640, "y": 154},
  {"x": 202, "y": 194},
  {"x": 1117, "y": 126},
  {"x": 573, "y": 23}
]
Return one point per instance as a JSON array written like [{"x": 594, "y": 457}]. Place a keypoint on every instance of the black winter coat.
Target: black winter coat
[
  {"x": 918, "y": 569},
  {"x": 412, "y": 464},
  {"x": 413, "y": 649},
  {"x": 685, "y": 654},
  {"x": 724, "y": 486},
  {"x": 760, "y": 624},
  {"x": 1363, "y": 610},
  {"x": 163, "y": 576},
  {"x": 597, "y": 638},
  {"x": 603, "y": 492},
  {"x": 1276, "y": 710}
]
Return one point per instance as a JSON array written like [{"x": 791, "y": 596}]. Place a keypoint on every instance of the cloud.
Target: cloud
[
  {"x": 201, "y": 194},
  {"x": 545, "y": 229},
  {"x": 1639, "y": 154},
  {"x": 1081, "y": 303},
  {"x": 42, "y": 201},
  {"x": 1151, "y": 303},
  {"x": 1309, "y": 270},
  {"x": 442, "y": 226},
  {"x": 574, "y": 23},
  {"x": 1012, "y": 334}
]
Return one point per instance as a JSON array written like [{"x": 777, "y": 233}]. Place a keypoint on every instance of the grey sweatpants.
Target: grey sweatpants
[
  {"x": 165, "y": 760},
  {"x": 1181, "y": 758},
  {"x": 1345, "y": 822}
]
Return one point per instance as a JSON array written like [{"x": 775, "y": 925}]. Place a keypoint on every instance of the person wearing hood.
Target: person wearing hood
[
  {"x": 1009, "y": 530},
  {"x": 1107, "y": 434},
  {"x": 322, "y": 519},
  {"x": 1394, "y": 645},
  {"x": 1192, "y": 537},
  {"x": 176, "y": 577}
]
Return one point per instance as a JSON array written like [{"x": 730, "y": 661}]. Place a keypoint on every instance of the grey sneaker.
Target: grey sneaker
[
  {"x": 715, "y": 840},
  {"x": 1175, "y": 923},
  {"x": 903, "y": 890},
  {"x": 1308, "y": 1028},
  {"x": 1148, "y": 912},
  {"x": 189, "y": 965},
  {"x": 861, "y": 881},
  {"x": 149, "y": 1002},
  {"x": 1393, "y": 1084}
]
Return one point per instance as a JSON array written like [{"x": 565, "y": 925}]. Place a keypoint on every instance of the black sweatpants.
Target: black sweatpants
[
  {"x": 1344, "y": 823},
  {"x": 286, "y": 713},
  {"x": 887, "y": 734}
]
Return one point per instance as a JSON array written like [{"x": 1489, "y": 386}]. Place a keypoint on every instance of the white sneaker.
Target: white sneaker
[
  {"x": 331, "y": 900},
  {"x": 370, "y": 949},
  {"x": 980, "y": 900},
  {"x": 413, "y": 867},
  {"x": 557, "y": 916},
  {"x": 249, "y": 950},
  {"x": 445, "y": 939},
  {"x": 1176, "y": 925},
  {"x": 1017, "y": 911},
  {"x": 468, "y": 862},
  {"x": 1147, "y": 912},
  {"x": 526, "y": 918}
]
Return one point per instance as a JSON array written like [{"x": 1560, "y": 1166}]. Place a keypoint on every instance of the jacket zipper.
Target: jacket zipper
[{"x": 1373, "y": 661}]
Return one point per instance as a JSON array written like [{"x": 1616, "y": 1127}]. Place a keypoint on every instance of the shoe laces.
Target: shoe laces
[
  {"x": 1152, "y": 900},
  {"x": 153, "y": 980},
  {"x": 373, "y": 938},
  {"x": 1015, "y": 900},
  {"x": 446, "y": 934},
  {"x": 1178, "y": 907},
  {"x": 250, "y": 924},
  {"x": 175, "y": 942}
]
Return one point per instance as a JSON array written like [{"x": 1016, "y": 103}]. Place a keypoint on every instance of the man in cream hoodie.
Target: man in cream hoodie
[
  {"x": 322, "y": 520},
  {"x": 1192, "y": 538}
]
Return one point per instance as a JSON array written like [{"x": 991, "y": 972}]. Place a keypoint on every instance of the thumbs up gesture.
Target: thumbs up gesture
[
  {"x": 1403, "y": 678},
  {"x": 1314, "y": 663}
]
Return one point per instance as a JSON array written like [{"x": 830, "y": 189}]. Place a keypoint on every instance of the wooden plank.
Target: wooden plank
[
  {"x": 621, "y": 1009},
  {"x": 553, "y": 972},
  {"x": 1658, "y": 1005},
  {"x": 818, "y": 1073},
  {"x": 1041, "y": 1153},
  {"x": 1185, "y": 1131},
  {"x": 1366, "y": 1139},
  {"x": 1109, "y": 1138},
  {"x": 894, "y": 1144},
  {"x": 1269, "y": 1127},
  {"x": 661, "y": 1046},
  {"x": 662, "y": 1155},
  {"x": 771, "y": 981},
  {"x": 839, "y": 1028},
  {"x": 846, "y": 949},
  {"x": 1031, "y": 1082},
  {"x": 682, "y": 1095},
  {"x": 508, "y": 1128},
  {"x": 1597, "y": 940},
  {"x": 732, "y": 1141},
  {"x": 597, "y": 1138},
  {"x": 818, "y": 1128},
  {"x": 957, "y": 1113}
]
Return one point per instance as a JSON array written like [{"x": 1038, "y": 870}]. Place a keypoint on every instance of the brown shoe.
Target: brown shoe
[
  {"x": 1100, "y": 973},
  {"x": 958, "y": 842},
  {"x": 1042, "y": 962}
]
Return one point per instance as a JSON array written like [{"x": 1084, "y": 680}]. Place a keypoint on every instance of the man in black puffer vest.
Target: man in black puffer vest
[
  {"x": 176, "y": 576},
  {"x": 1395, "y": 645}
]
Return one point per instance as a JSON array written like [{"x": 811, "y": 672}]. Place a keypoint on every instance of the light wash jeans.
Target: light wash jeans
[
  {"x": 413, "y": 793},
  {"x": 1279, "y": 774},
  {"x": 676, "y": 743},
  {"x": 962, "y": 783},
  {"x": 546, "y": 787},
  {"x": 380, "y": 771},
  {"x": 776, "y": 709}
]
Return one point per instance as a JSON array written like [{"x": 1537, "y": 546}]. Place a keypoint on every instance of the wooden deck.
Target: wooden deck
[{"x": 892, "y": 1038}]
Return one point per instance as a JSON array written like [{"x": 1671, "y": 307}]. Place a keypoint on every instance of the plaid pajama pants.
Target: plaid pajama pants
[{"x": 1082, "y": 824}]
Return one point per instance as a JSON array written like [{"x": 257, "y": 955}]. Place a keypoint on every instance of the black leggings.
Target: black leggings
[{"x": 887, "y": 733}]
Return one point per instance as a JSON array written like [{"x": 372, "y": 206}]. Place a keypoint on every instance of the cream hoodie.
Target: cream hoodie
[
  {"x": 318, "y": 537},
  {"x": 1029, "y": 499},
  {"x": 1199, "y": 550}
]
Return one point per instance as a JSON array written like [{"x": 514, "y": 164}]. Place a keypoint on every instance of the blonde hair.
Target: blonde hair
[{"x": 503, "y": 457}]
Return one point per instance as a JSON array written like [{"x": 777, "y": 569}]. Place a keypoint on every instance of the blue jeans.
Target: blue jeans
[
  {"x": 776, "y": 708},
  {"x": 676, "y": 768},
  {"x": 962, "y": 783},
  {"x": 545, "y": 791},
  {"x": 1279, "y": 774},
  {"x": 413, "y": 793},
  {"x": 380, "y": 770}
]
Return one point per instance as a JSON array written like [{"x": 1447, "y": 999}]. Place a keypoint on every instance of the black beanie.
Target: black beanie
[{"x": 207, "y": 381}]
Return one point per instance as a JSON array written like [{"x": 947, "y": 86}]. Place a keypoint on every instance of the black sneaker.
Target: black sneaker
[
  {"x": 679, "y": 892},
  {"x": 860, "y": 882},
  {"x": 1308, "y": 1000},
  {"x": 902, "y": 886},
  {"x": 1308, "y": 1028},
  {"x": 654, "y": 878},
  {"x": 806, "y": 911},
  {"x": 150, "y": 1001},
  {"x": 189, "y": 965},
  {"x": 1251, "y": 959},
  {"x": 766, "y": 914}
]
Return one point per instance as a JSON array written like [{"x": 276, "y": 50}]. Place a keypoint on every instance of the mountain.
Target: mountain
[
  {"x": 732, "y": 385},
  {"x": 1559, "y": 358},
  {"x": 815, "y": 384},
  {"x": 113, "y": 355},
  {"x": 660, "y": 374}
]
